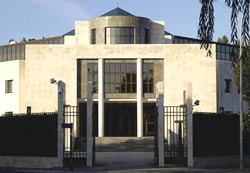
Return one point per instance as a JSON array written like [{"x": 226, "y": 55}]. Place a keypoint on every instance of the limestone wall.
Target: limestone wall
[
  {"x": 11, "y": 70},
  {"x": 182, "y": 64},
  {"x": 44, "y": 62},
  {"x": 229, "y": 102}
]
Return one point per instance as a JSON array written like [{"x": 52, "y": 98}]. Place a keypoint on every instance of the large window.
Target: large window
[
  {"x": 9, "y": 86},
  {"x": 228, "y": 85},
  {"x": 93, "y": 75},
  {"x": 120, "y": 78},
  {"x": 120, "y": 35},
  {"x": 146, "y": 36},
  {"x": 12, "y": 52},
  {"x": 148, "y": 77},
  {"x": 223, "y": 51},
  {"x": 93, "y": 36}
]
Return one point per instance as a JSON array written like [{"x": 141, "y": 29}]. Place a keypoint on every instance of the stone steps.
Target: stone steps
[{"x": 124, "y": 144}]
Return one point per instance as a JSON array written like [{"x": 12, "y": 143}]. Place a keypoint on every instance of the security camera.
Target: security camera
[
  {"x": 52, "y": 81},
  {"x": 197, "y": 102}
]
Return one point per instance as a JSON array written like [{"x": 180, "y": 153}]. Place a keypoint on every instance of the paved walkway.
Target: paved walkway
[
  {"x": 123, "y": 162},
  {"x": 123, "y": 170}
]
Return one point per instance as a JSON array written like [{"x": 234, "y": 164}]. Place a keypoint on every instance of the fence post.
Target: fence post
[
  {"x": 61, "y": 96},
  {"x": 160, "y": 131},
  {"x": 90, "y": 141},
  {"x": 189, "y": 103}
]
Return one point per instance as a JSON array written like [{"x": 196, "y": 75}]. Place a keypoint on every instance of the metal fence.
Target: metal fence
[
  {"x": 175, "y": 134},
  {"x": 75, "y": 150}
]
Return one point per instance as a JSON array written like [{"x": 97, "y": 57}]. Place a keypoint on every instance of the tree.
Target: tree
[
  {"x": 23, "y": 40},
  {"x": 223, "y": 39},
  {"x": 206, "y": 30},
  {"x": 206, "y": 23},
  {"x": 10, "y": 40},
  {"x": 245, "y": 73}
]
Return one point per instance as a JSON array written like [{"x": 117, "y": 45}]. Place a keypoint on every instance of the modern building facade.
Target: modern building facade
[{"x": 129, "y": 59}]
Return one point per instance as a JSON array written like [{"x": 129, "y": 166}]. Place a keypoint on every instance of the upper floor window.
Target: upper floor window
[
  {"x": 148, "y": 77},
  {"x": 223, "y": 52},
  {"x": 9, "y": 86},
  {"x": 93, "y": 36},
  {"x": 120, "y": 78},
  {"x": 146, "y": 37},
  {"x": 120, "y": 35},
  {"x": 8, "y": 113},
  {"x": 228, "y": 85},
  {"x": 93, "y": 75}
]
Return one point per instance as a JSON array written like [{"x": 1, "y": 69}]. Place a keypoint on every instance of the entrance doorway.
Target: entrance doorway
[
  {"x": 120, "y": 119},
  {"x": 149, "y": 113}
]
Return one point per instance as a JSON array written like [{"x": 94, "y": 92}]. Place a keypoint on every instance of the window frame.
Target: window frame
[
  {"x": 8, "y": 86},
  {"x": 148, "y": 84},
  {"x": 119, "y": 35},
  {"x": 228, "y": 86},
  {"x": 120, "y": 78},
  {"x": 93, "y": 36},
  {"x": 92, "y": 75}
]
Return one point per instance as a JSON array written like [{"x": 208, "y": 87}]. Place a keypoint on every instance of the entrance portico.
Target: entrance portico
[{"x": 139, "y": 98}]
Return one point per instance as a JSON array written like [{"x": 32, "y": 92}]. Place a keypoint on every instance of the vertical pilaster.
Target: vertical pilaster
[
  {"x": 139, "y": 99},
  {"x": 100, "y": 98}
]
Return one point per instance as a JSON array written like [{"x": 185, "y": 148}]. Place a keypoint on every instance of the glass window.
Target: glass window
[
  {"x": 120, "y": 78},
  {"x": 146, "y": 37},
  {"x": 61, "y": 41},
  {"x": 5, "y": 53},
  {"x": 93, "y": 75},
  {"x": 93, "y": 36},
  {"x": 1, "y": 54},
  {"x": 9, "y": 54},
  {"x": 228, "y": 85},
  {"x": 9, "y": 86},
  {"x": 22, "y": 55},
  {"x": 18, "y": 52},
  {"x": 56, "y": 41},
  {"x": 223, "y": 52},
  {"x": 123, "y": 35},
  {"x": 148, "y": 77},
  {"x": 13, "y": 52},
  {"x": 8, "y": 113}
]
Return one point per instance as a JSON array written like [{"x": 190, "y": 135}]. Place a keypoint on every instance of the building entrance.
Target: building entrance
[
  {"x": 149, "y": 113},
  {"x": 120, "y": 119}
]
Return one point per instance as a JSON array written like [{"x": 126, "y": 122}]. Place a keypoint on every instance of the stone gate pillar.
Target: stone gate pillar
[{"x": 189, "y": 103}]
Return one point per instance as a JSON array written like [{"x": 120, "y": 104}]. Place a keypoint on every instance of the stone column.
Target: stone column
[
  {"x": 189, "y": 103},
  {"x": 139, "y": 99},
  {"x": 160, "y": 131},
  {"x": 90, "y": 141},
  {"x": 61, "y": 102},
  {"x": 100, "y": 98}
]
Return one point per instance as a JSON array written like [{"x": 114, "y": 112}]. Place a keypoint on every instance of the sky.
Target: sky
[{"x": 50, "y": 18}]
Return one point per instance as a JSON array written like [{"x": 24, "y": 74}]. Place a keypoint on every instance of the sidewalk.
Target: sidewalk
[
  {"x": 124, "y": 162},
  {"x": 123, "y": 170}
]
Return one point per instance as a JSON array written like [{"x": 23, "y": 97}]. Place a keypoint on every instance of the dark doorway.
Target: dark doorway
[
  {"x": 149, "y": 119},
  {"x": 120, "y": 119},
  {"x": 83, "y": 118}
]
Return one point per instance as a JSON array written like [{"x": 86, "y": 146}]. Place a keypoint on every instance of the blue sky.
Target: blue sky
[{"x": 48, "y": 18}]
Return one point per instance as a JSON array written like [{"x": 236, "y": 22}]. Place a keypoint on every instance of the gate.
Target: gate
[
  {"x": 75, "y": 148},
  {"x": 175, "y": 143}
]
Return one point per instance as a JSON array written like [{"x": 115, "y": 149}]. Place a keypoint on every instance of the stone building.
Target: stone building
[{"x": 128, "y": 59}]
